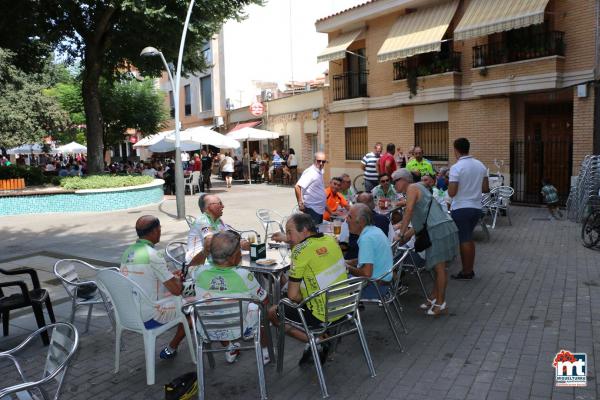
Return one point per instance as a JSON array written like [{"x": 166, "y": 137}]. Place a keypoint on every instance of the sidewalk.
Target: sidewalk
[{"x": 537, "y": 291}]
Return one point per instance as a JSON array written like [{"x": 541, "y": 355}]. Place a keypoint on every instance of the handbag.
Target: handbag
[
  {"x": 422, "y": 240},
  {"x": 184, "y": 387}
]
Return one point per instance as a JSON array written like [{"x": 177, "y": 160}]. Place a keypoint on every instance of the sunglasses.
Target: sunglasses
[
  {"x": 321, "y": 161},
  {"x": 384, "y": 181}
]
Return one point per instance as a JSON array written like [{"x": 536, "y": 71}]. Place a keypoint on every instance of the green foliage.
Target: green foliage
[
  {"x": 103, "y": 181},
  {"x": 27, "y": 113},
  {"x": 33, "y": 175}
]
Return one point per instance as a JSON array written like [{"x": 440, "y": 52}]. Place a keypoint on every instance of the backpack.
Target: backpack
[{"x": 184, "y": 387}]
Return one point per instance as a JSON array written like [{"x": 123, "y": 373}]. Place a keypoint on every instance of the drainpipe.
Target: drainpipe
[{"x": 596, "y": 84}]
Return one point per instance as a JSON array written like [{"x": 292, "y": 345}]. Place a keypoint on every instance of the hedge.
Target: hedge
[
  {"x": 103, "y": 181},
  {"x": 33, "y": 175}
]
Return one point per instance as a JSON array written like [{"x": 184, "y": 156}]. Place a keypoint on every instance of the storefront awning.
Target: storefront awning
[
  {"x": 484, "y": 17},
  {"x": 336, "y": 49},
  {"x": 241, "y": 125},
  {"x": 418, "y": 32}
]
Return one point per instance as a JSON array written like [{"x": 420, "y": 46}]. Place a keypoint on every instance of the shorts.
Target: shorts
[
  {"x": 293, "y": 315},
  {"x": 466, "y": 219},
  {"x": 370, "y": 292},
  {"x": 317, "y": 218},
  {"x": 226, "y": 174}
]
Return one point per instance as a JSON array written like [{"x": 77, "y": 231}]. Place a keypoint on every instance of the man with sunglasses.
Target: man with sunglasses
[
  {"x": 310, "y": 189},
  {"x": 346, "y": 188},
  {"x": 206, "y": 225},
  {"x": 147, "y": 267},
  {"x": 384, "y": 190}
]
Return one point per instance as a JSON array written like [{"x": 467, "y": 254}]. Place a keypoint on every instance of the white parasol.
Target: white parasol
[{"x": 250, "y": 134}]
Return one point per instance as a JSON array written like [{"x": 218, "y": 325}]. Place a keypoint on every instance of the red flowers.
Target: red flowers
[{"x": 563, "y": 356}]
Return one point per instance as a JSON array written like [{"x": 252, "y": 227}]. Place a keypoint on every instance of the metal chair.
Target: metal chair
[
  {"x": 412, "y": 264},
  {"x": 391, "y": 297},
  {"x": 190, "y": 220},
  {"x": 127, "y": 298},
  {"x": 500, "y": 201},
  {"x": 211, "y": 316},
  {"x": 35, "y": 298},
  {"x": 63, "y": 345},
  {"x": 66, "y": 271},
  {"x": 341, "y": 307},
  {"x": 268, "y": 218},
  {"x": 193, "y": 181}
]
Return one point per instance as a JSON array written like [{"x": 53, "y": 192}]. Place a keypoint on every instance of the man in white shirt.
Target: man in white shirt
[
  {"x": 468, "y": 180},
  {"x": 310, "y": 189}
]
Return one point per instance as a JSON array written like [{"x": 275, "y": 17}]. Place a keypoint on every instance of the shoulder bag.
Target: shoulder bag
[{"x": 422, "y": 240}]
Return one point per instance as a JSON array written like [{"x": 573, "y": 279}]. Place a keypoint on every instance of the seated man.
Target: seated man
[
  {"x": 147, "y": 267},
  {"x": 335, "y": 201},
  {"x": 223, "y": 278},
  {"x": 317, "y": 263},
  {"x": 374, "y": 252},
  {"x": 346, "y": 189},
  {"x": 384, "y": 191},
  {"x": 206, "y": 225}
]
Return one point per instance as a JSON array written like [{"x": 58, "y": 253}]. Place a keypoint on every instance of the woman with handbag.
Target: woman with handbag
[{"x": 436, "y": 234}]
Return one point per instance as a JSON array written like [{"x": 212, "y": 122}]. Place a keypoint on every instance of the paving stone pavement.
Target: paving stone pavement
[{"x": 536, "y": 292}]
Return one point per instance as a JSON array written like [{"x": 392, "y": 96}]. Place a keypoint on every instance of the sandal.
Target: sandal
[
  {"x": 427, "y": 305},
  {"x": 438, "y": 309}
]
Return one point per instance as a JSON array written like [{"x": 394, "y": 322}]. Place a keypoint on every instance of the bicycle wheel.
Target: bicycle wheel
[
  {"x": 359, "y": 183},
  {"x": 590, "y": 230}
]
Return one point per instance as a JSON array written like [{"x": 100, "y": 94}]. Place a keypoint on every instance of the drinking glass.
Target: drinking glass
[{"x": 283, "y": 252}]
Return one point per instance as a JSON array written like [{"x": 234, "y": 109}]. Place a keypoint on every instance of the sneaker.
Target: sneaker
[
  {"x": 167, "y": 354},
  {"x": 306, "y": 355},
  {"x": 323, "y": 353},
  {"x": 233, "y": 352},
  {"x": 265, "y": 355},
  {"x": 462, "y": 276}
]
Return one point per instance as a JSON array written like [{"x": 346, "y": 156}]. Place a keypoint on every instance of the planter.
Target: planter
[{"x": 12, "y": 184}]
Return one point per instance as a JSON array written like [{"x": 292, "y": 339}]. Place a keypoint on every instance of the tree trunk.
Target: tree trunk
[{"x": 93, "y": 113}]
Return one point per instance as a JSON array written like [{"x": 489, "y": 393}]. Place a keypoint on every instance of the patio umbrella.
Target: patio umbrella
[
  {"x": 164, "y": 146},
  {"x": 203, "y": 135},
  {"x": 152, "y": 139},
  {"x": 71, "y": 148},
  {"x": 249, "y": 134},
  {"x": 26, "y": 149}
]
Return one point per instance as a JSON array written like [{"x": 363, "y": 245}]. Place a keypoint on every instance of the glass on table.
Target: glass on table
[{"x": 251, "y": 238}]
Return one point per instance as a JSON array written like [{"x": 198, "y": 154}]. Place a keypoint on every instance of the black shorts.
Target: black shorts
[
  {"x": 466, "y": 219},
  {"x": 226, "y": 174},
  {"x": 293, "y": 315}
]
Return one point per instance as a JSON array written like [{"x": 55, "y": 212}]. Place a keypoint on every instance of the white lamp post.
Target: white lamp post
[{"x": 151, "y": 51}]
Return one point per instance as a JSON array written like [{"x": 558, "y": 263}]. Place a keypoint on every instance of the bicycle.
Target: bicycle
[
  {"x": 359, "y": 183},
  {"x": 590, "y": 230}
]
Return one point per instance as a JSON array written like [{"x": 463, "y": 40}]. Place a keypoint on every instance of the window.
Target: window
[
  {"x": 356, "y": 143},
  {"x": 206, "y": 92},
  {"x": 172, "y": 104},
  {"x": 188, "y": 100},
  {"x": 314, "y": 144},
  {"x": 433, "y": 138},
  {"x": 207, "y": 53}
]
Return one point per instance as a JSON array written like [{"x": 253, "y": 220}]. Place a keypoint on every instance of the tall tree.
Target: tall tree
[
  {"x": 27, "y": 112},
  {"x": 106, "y": 36}
]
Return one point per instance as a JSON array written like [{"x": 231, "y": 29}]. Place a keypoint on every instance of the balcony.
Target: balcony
[
  {"x": 522, "y": 45},
  {"x": 427, "y": 64},
  {"x": 350, "y": 85}
]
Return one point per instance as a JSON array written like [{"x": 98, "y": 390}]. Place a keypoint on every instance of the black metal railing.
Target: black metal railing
[
  {"x": 350, "y": 85},
  {"x": 522, "y": 46},
  {"x": 427, "y": 64}
]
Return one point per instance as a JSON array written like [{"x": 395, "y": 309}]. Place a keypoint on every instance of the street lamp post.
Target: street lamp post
[{"x": 151, "y": 51}]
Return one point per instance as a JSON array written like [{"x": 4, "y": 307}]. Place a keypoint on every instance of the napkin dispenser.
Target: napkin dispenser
[{"x": 258, "y": 251}]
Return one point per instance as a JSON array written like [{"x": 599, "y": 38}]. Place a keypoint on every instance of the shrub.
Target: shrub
[
  {"x": 33, "y": 175},
  {"x": 103, "y": 181}
]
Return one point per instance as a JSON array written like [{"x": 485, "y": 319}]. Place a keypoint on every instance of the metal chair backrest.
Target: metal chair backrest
[
  {"x": 396, "y": 272},
  {"x": 63, "y": 345},
  {"x": 220, "y": 313},
  {"x": 503, "y": 191},
  {"x": 267, "y": 218},
  {"x": 126, "y": 296},
  {"x": 190, "y": 220},
  {"x": 175, "y": 251},
  {"x": 66, "y": 271},
  {"x": 342, "y": 298}
]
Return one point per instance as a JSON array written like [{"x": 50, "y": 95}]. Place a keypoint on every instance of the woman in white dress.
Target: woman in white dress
[{"x": 228, "y": 168}]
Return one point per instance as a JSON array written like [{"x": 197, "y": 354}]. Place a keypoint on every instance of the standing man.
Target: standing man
[
  {"x": 419, "y": 166},
  {"x": 310, "y": 189},
  {"x": 369, "y": 164},
  {"x": 206, "y": 162},
  {"x": 387, "y": 162},
  {"x": 468, "y": 179},
  {"x": 147, "y": 267}
]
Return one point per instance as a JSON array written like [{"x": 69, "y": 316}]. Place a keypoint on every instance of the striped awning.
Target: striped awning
[
  {"x": 418, "y": 32},
  {"x": 336, "y": 49},
  {"x": 484, "y": 17}
]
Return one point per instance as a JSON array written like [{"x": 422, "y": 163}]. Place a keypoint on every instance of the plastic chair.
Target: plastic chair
[
  {"x": 35, "y": 298},
  {"x": 268, "y": 218},
  {"x": 63, "y": 346},
  {"x": 391, "y": 297},
  {"x": 193, "y": 180},
  {"x": 213, "y": 315},
  {"x": 190, "y": 220},
  {"x": 127, "y": 298},
  {"x": 341, "y": 307},
  {"x": 66, "y": 271}
]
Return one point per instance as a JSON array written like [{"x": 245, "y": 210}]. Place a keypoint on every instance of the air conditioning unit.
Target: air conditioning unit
[{"x": 266, "y": 95}]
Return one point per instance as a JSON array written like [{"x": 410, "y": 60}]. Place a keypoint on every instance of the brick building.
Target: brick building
[{"x": 516, "y": 77}]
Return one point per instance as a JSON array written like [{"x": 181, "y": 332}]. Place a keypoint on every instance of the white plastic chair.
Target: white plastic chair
[
  {"x": 63, "y": 345},
  {"x": 193, "y": 180},
  {"x": 213, "y": 315},
  {"x": 341, "y": 307},
  {"x": 127, "y": 298},
  {"x": 66, "y": 271},
  {"x": 268, "y": 218}
]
